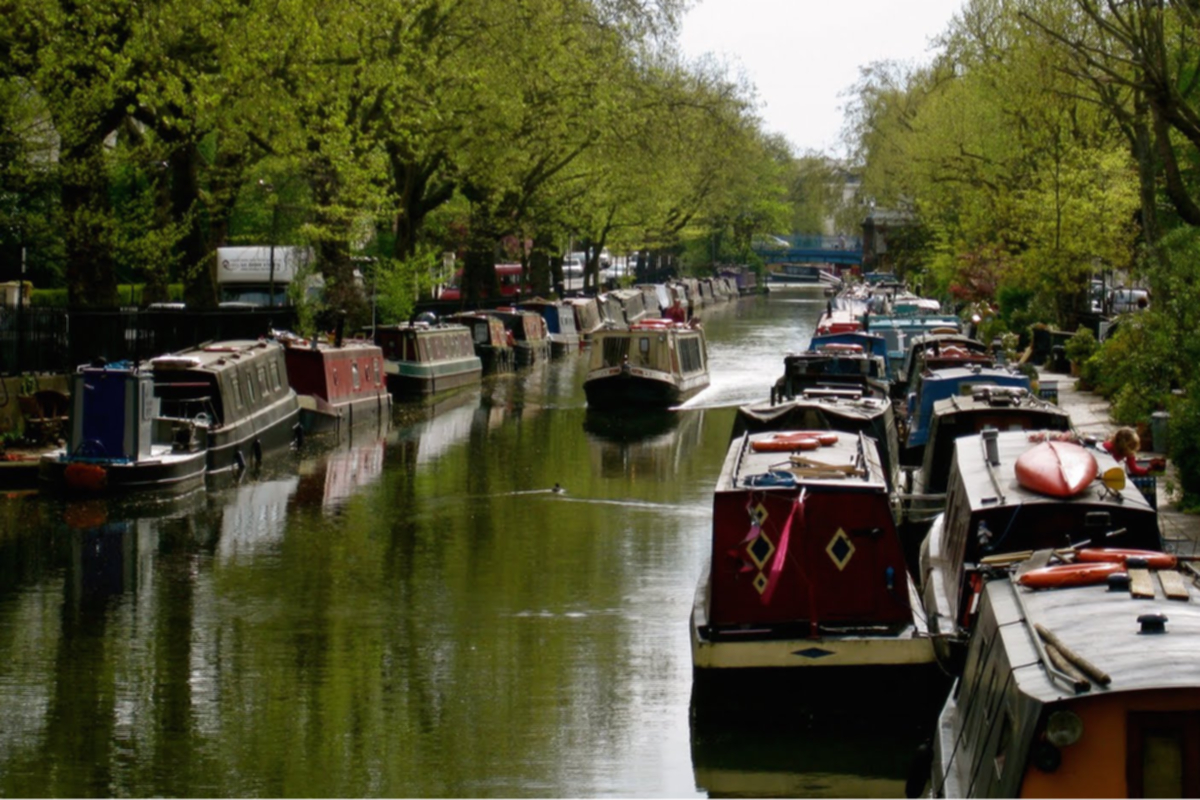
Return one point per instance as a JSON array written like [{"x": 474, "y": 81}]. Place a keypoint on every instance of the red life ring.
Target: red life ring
[
  {"x": 1154, "y": 559},
  {"x": 1064, "y": 575},
  {"x": 788, "y": 442}
]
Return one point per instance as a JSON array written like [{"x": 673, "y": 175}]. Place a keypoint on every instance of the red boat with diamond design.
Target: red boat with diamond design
[{"x": 807, "y": 575}]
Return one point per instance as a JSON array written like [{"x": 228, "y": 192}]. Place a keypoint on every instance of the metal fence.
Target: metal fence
[{"x": 58, "y": 340}]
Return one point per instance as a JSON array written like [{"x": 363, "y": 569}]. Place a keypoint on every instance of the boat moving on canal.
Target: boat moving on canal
[
  {"x": 238, "y": 391},
  {"x": 426, "y": 357},
  {"x": 339, "y": 385},
  {"x": 1087, "y": 691},
  {"x": 806, "y": 578},
  {"x": 654, "y": 364},
  {"x": 995, "y": 511},
  {"x": 119, "y": 441}
]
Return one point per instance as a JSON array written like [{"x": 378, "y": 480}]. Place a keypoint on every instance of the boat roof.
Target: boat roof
[
  {"x": 852, "y": 460},
  {"x": 1102, "y": 626},
  {"x": 990, "y": 486},
  {"x": 997, "y": 400},
  {"x": 863, "y": 408},
  {"x": 977, "y": 374},
  {"x": 213, "y": 356}
]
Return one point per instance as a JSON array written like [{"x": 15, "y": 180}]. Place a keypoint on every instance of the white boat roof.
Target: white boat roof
[
  {"x": 850, "y": 468},
  {"x": 1101, "y": 626}
]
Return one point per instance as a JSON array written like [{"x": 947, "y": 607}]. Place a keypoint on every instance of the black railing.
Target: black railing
[{"x": 58, "y": 340}]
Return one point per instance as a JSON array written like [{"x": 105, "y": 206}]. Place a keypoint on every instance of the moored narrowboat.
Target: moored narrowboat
[
  {"x": 1084, "y": 691},
  {"x": 837, "y": 369},
  {"x": 1003, "y": 497},
  {"x": 935, "y": 385},
  {"x": 530, "y": 340},
  {"x": 422, "y": 358},
  {"x": 491, "y": 339},
  {"x": 654, "y": 364},
  {"x": 560, "y": 324},
  {"x": 118, "y": 440},
  {"x": 339, "y": 385},
  {"x": 589, "y": 317},
  {"x": 806, "y": 578},
  {"x": 238, "y": 390}
]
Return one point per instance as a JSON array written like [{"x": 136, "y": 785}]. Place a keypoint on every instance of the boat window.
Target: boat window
[
  {"x": 481, "y": 333},
  {"x": 354, "y": 378},
  {"x": 615, "y": 350},
  {"x": 274, "y": 367},
  {"x": 263, "y": 388},
  {"x": 1156, "y": 745},
  {"x": 376, "y": 365},
  {"x": 250, "y": 395},
  {"x": 237, "y": 391},
  {"x": 335, "y": 377},
  {"x": 644, "y": 345},
  {"x": 689, "y": 356}
]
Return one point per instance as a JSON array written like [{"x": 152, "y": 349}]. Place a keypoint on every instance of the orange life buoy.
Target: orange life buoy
[
  {"x": 1154, "y": 559},
  {"x": 800, "y": 440},
  {"x": 1064, "y": 575},
  {"x": 86, "y": 477}
]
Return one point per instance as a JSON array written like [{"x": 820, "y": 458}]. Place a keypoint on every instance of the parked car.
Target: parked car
[{"x": 1124, "y": 301}]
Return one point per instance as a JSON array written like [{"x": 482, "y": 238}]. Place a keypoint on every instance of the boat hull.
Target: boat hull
[
  {"x": 318, "y": 417},
  {"x": 407, "y": 379},
  {"x": 246, "y": 441},
  {"x": 614, "y": 388},
  {"x": 163, "y": 470}
]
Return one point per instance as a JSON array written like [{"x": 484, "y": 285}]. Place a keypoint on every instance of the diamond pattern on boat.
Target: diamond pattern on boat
[{"x": 840, "y": 549}]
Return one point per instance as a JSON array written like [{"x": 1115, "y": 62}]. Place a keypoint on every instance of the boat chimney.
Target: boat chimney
[
  {"x": 991, "y": 446},
  {"x": 1153, "y": 623}
]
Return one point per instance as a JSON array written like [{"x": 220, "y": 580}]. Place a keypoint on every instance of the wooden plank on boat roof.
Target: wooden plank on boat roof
[
  {"x": 1173, "y": 585},
  {"x": 1037, "y": 559},
  {"x": 1140, "y": 583}
]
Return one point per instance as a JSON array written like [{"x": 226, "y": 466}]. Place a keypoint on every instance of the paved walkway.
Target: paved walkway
[{"x": 1090, "y": 415}]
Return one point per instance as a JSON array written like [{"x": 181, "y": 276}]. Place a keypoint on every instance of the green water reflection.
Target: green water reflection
[{"x": 411, "y": 613}]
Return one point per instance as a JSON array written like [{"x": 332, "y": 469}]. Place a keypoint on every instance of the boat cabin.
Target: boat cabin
[
  {"x": 530, "y": 340},
  {"x": 932, "y": 386},
  {"x": 836, "y": 369},
  {"x": 939, "y": 351},
  {"x": 1023, "y": 721},
  {"x": 239, "y": 390},
  {"x": 588, "y": 317},
  {"x": 422, "y": 358},
  {"x": 491, "y": 340},
  {"x": 337, "y": 385},
  {"x": 560, "y": 324},
  {"x": 870, "y": 343}
]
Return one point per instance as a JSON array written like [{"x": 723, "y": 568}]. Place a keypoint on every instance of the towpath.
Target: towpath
[{"x": 1091, "y": 416}]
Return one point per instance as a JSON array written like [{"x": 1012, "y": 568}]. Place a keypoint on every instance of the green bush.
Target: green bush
[
  {"x": 1184, "y": 434},
  {"x": 1081, "y": 346}
]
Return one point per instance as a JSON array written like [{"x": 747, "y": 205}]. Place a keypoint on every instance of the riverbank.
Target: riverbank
[{"x": 1090, "y": 413}]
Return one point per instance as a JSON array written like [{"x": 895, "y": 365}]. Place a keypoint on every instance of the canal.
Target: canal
[{"x": 415, "y": 612}]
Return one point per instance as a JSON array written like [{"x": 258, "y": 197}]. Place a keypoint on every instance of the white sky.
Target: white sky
[{"x": 803, "y": 55}]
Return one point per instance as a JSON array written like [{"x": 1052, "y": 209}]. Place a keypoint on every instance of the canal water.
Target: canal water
[{"x": 415, "y": 612}]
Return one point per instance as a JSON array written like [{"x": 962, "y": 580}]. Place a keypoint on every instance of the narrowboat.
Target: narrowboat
[
  {"x": 632, "y": 303},
  {"x": 802, "y": 275},
  {"x": 654, "y": 364},
  {"x": 656, "y": 299},
  {"x": 560, "y": 324},
  {"x": 530, "y": 341},
  {"x": 1083, "y": 691},
  {"x": 932, "y": 386},
  {"x": 238, "y": 390},
  {"x": 900, "y": 329},
  {"x": 1006, "y": 409},
  {"x": 997, "y": 505},
  {"x": 339, "y": 385},
  {"x": 938, "y": 351},
  {"x": 491, "y": 339},
  {"x": 870, "y": 343},
  {"x": 423, "y": 358},
  {"x": 118, "y": 439},
  {"x": 806, "y": 579},
  {"x": 589, "y": 317},
  {"x": 834, "y": 368}
]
